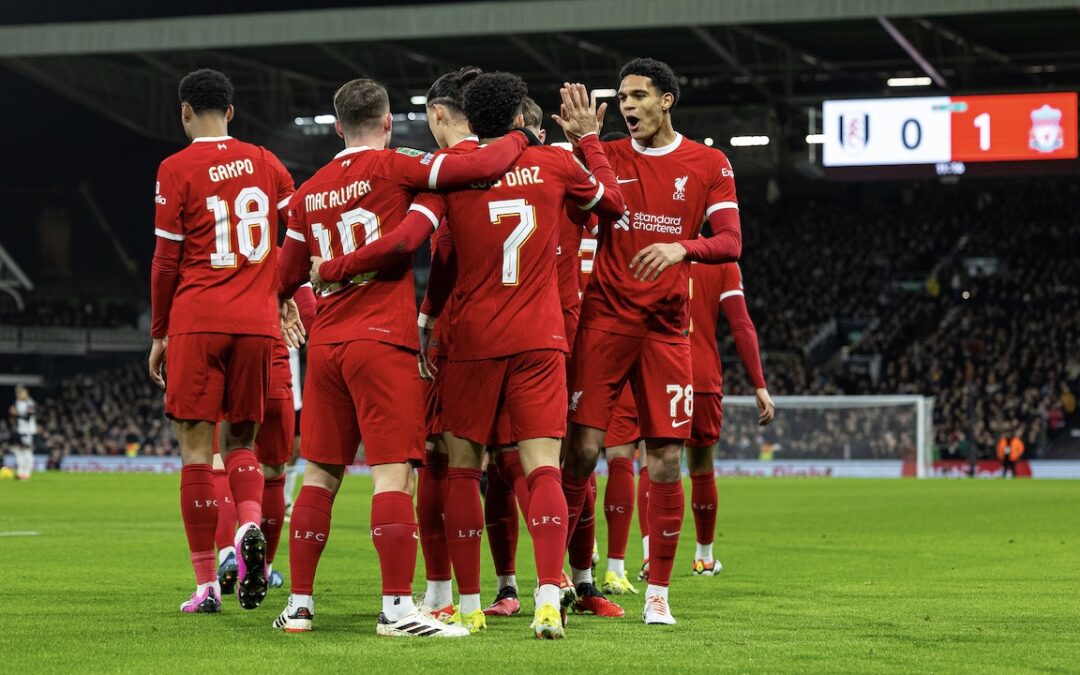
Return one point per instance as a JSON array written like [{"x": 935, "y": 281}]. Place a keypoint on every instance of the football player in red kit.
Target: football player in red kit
[
  {"x": 506, "y": 480},
  {"x": 273, "y": 448},
  {"x": 362, "y": 370},
  {"x": 212, "y": 286},
  {"x": 507, "y": 345},
  {"x": 450, "y": 128},
  {"x": 712, "y": 288},
  {"x": 635, "y": 315}
]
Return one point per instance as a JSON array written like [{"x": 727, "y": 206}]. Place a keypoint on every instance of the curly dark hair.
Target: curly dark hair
[
  {"x": 492, "y": 101},
  {"x": 448, "y": 89},
  {"x": 661, "y": 74},
  {"x": 206, "y": 89}
]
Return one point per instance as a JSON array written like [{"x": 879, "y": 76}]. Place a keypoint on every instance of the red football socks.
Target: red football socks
[
  {"x": 619, "y": 505},
  {"x": 643, "y": 500},
  {"x": 501, "y": 519},
  {"x": 430, "y": 499},
  {"x": 393, "y": 531},
  {"x": 703, "y": 502},
  {"x": 575, "y": 490},
  {"x": 547, "y": 521},
  {"x": 464, "y": 527},
  {"x": 580, "y": 546},
  {"x": 226, "y": 522},
  {"x": 509, "y": 462},
  {"x": 198, "y": 506},
  {"x": 309, "y": 528},
  {"x": 666, "y": 506},
  {"x": 246, "y": 484},
  {"x": 273, "y": 513}
]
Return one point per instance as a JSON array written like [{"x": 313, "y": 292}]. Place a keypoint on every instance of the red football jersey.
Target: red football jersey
[
  {"x": 586, "y": 259},
  {"x": 567, "y": 265},
  {"x": 221, "y": 198},
  {"x": 440, "y": 334},
  {"x": 506, "y": 299},
  {"x": 352, "y": 201},
  {"x": 709, "y": 286},
  {"x": 669, "y": 193}
]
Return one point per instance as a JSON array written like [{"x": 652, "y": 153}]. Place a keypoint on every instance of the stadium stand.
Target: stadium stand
[{"x": 996, "y": 360}]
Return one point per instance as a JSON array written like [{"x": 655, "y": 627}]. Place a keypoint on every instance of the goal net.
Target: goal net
[{"x": 837, "y": 432}]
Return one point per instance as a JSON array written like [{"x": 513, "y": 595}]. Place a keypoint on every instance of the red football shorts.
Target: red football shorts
[
  {"x": 274, "y": 442},
  {"x": 659, "y": 374},
  {"x": 364, "y": 388},
  {"x": 433, "y": 398},
  {"x": 623, "y": 426},
  {"x": 570, "y": 324},
  {"x": 214, "y": 376},
  {"x": 708, "y": 419},
  {"x": 528, "y": 388}
]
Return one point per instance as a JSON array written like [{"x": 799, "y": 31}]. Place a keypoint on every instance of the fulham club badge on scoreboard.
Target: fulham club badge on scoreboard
[
  {"x": 854, "y": 132},
  {"x": 1046, "y": 133}
]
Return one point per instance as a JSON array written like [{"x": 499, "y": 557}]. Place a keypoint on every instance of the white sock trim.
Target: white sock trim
[
  {"x": 654, "y": 591},
  {"x": 469, "y": 603},
  {"x": 548, "y": 594},
  {"x": 439, "y": 594},
  {"x": 581, "y": 576},
  {"x": 224, "y": 553},
  {"x": 704, "y": 552},
  {"x": 395, "y": 607}
]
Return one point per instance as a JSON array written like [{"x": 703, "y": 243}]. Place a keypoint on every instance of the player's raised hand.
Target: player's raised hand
[
  {"x": 292, "y": 328},
  {"x": 766, "y": 407},
  {"x": 157, "y": 362},
  {"x": 651, "y": 261},
  {"x": 578, "y": 114}
]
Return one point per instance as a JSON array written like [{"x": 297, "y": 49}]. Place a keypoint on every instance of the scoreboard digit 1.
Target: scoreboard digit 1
[{"x": 1014, "y": 127}]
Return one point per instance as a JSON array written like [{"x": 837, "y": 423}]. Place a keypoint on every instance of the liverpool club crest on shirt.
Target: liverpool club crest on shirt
[
  {"x": 1046, "y": 133},
  {"x": 680, "y": 189}
]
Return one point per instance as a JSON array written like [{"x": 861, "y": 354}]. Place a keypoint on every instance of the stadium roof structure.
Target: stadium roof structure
[{"x": 757, "y": 67}]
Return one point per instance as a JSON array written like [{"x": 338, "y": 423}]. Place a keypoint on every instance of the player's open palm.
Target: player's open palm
[
  {"x": 578, "y": 112},
  {"x": 766, "y": 407},
  {"x": 157, "y": 362},
  {"x": 292, "y": 327}
]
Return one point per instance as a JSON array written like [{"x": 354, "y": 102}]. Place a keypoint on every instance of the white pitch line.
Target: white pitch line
[{"x": 17, "y": 533}]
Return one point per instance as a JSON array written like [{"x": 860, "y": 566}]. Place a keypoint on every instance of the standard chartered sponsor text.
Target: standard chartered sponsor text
[{"x": 664, "y": 224}]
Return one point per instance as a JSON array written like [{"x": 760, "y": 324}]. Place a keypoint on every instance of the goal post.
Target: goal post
[{"x": 839, "y": 433}]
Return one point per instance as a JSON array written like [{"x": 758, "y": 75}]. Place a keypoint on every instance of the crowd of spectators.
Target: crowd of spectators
[
  {"x": 110, "y": 412},
  {"x": 70, "y": 311},
  {"x": 996, "y": 349},
  {"x": 849, "y": 433},
  {"x": 990, "y": 330}
]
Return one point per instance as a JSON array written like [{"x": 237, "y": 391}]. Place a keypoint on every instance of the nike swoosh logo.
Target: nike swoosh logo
[
  {"x": 416, "y": 536},
  {"x": 676, "y": 425},
  {"x": 620, "y": 181},
  {"x": 670, "y": 534}
]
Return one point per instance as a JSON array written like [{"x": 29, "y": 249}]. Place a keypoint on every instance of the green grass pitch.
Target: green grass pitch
[{"x": 820, "y": 575}]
